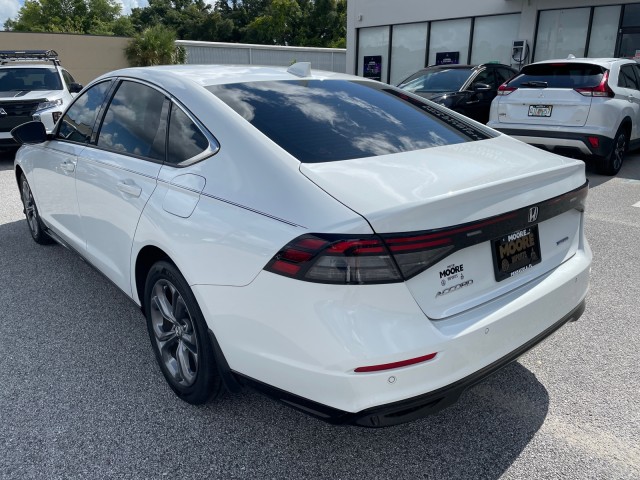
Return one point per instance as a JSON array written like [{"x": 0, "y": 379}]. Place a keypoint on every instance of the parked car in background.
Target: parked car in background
[
  {"x": 356, "y": 252},
  {"x": 33, "y": 85},
  {"x": 467, "y": 89},
  {"x": 587, "y": 106}
]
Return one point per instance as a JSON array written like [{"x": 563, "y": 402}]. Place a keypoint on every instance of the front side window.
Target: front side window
[
  {"x": 68, "y": 79},
  {"x": 323, "y": 121},
  {"x": 17, "y": 79},
  {"x": 78, "y": 123},
  {"x": 135, "y": 122},
  {"x": 185, "y": 138}
]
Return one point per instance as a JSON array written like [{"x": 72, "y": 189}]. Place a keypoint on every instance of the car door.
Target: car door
[
  {"x": 54, "y": 171},
  {"x": 477, "y": 103},
  {"x": 630, "y": 77},
  {"x": 117, "y": 175}
]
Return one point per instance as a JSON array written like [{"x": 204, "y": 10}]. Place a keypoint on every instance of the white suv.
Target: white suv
[
  {"x": 33, "y": 86},
  {"x": 589, "y": 106}
]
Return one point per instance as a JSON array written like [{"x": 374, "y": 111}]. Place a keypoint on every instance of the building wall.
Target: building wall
[
  {"x": 85, "y": 56},
  {"x": 331, "y": 59},
  {"x": 371, "y": 13}
]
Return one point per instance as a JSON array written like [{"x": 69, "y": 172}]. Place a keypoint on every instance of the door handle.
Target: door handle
[
  {"x": 130, "y": 189},
  {"x": 67, "y": 166}
]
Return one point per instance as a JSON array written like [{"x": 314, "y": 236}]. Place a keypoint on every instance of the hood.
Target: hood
[
  {"x": 17, "y": 95},
  {"x": 445, "y": 186}
]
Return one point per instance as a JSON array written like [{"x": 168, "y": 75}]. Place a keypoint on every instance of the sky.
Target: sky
[{"x": 9, "y": 8}]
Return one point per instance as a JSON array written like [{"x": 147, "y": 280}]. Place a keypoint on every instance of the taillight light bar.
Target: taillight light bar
[
  {"x": 390, "y": 258},
  {"x": 601, "y": 90}
]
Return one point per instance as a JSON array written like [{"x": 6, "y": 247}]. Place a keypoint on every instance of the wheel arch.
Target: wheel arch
[
  {"x": 146, "y": 258},
  {"x": 627, "y": 125},
  {"x": 18, "y": 171}
]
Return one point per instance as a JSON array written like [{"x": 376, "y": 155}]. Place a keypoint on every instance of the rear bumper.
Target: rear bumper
[
  {"x": 561, "y": 141},
  {"x": 411, "y": 408}
]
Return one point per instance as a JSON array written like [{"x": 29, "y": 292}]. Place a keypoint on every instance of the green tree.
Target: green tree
[
  {"x": 97, "y": 17},
  {"x": 280, "y": 24},
  {"x": 154, "y": 46}
]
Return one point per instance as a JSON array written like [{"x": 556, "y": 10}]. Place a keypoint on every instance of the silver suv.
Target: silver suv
[
  {"x": 33, "y": 85},
  {"x": 589, "y": 106}
]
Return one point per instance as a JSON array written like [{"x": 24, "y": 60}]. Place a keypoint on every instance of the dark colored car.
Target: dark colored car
[{"x": 468, "y": 89}]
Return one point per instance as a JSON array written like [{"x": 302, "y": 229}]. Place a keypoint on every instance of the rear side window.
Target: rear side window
[
  {"x": 77, "y": 124},
  {"x": 328, "y": 120},
  {"x": 627, "y": 77},
  {"x": 135, "y": 122},
  {"x": 559, "y": 75},
  {"x": 185, "y": 138}
]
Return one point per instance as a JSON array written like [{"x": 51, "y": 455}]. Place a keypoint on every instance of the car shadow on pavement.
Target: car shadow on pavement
[
  {"x": 630, "y": 170},
  {"x": 80, "y": 382}
]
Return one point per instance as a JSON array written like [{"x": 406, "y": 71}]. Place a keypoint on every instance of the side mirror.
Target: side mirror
[
  {"x": 481, "y": 87},
  {"x": 30, "y": 133},
  {"x": 75, "y": 87}
]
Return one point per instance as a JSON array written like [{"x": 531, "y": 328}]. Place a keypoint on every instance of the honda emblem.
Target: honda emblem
[{"x": 533, "y": 214}]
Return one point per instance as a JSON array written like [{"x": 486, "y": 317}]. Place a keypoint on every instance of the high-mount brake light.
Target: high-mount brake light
[
  {"x": 601, "y": 90},
  {"x": 505, "y": 90}
]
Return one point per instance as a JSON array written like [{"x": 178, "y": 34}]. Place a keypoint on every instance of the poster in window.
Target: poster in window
[
  {"x": 447, "y": 58},
  {"x": 373, "y": 67}
]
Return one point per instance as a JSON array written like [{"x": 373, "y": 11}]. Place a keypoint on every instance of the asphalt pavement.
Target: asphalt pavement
[{"x": 81, "y": 396}]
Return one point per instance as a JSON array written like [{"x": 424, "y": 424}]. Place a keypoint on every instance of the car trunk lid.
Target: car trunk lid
[{"x": 474, "y": 196}]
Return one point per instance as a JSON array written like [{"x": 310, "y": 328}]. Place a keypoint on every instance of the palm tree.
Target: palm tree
[{"x": 155, "y": 46}]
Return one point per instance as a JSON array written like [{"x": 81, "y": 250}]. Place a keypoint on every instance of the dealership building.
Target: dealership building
[{"x": 389, "y": 40}]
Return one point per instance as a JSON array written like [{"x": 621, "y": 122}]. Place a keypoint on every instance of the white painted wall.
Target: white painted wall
[{"x": 368, "y": 13}]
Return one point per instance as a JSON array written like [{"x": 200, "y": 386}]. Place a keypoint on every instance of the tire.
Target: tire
[
  {"x": 30, "y": 209},
  {"x": 611, "y": 163},
  {"x": 179, "y": 336}
]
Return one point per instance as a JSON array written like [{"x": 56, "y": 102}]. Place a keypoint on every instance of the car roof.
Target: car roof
[
  {"x": 603, "y": 62},
  {"x": 29, "y": 65},
  {"x": 207, "y": 75}
]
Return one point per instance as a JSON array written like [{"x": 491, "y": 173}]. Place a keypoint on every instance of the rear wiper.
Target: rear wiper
[{"x": 534, "y": 84}]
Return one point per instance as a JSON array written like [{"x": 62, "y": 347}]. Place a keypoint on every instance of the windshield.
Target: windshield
[
  {"x": 328, "y": 120},
  {"x": 437, "y": 80},
  {"x": 18, "y": 79},
  {"x": 558, "y": 75}
]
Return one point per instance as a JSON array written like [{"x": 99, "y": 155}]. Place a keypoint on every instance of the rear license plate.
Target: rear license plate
[
  {"x": 516, "y": 252},
  {"x": 540, "y": 110}
]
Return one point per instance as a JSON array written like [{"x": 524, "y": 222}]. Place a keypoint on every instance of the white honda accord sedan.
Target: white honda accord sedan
[{"x": 355, "y": 251}]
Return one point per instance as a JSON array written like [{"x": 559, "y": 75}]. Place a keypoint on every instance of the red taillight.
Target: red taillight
[
  {"x": 601, "y": 90},
  {"x": 362, "y": 260},
  {"x": 402, "y": 363},
  {"x": 594, "y": 141},
  {"x": 505, "y": 90}
]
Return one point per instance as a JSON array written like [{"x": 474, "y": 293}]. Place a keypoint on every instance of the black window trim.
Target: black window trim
[{"x": 214, "y": 145}]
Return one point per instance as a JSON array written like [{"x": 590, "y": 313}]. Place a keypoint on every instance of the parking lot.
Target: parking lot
[{"x": 81, "y": 395}]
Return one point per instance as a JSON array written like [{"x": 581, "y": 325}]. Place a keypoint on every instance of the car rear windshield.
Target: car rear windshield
[
  {"x": 17, "y": 79},
  {"x": 437, "y": 80},
  {"x": 559, "y": 75},
  {"x": 329, "y": 120}
]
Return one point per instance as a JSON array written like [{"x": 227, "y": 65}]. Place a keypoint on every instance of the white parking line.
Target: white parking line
[{"x": 636, "y": 205}]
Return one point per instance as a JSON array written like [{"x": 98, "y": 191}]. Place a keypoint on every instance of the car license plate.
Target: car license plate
[
  {"x": 516, "y": 252},
  {"x": 540, "y": 110}
]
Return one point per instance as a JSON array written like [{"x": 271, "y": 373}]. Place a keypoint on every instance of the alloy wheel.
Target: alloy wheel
[
  {"x": 30, "y": 210},
  {"x": 174, "y": 333},
  {"x": 619, "y": 151}
]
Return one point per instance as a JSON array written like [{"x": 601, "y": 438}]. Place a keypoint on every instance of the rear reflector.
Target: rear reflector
[
  {"x": 594, "y": 141},
  {"x": 400, "y": 364}
]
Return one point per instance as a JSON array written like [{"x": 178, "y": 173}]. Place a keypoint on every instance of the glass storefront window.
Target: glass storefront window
[
  {"x": 493, "y": 38},
  {"x": 408, "y": 50},
  {"x": 562, "y": 33},
  {"x": 450, "y": 36},
  {"x": 373, "y": 43},
  {"x": 631, "y": 17},
  {"x": 603, "y": 31}
]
